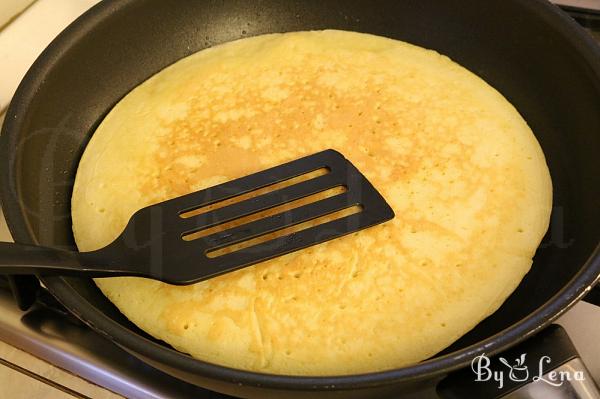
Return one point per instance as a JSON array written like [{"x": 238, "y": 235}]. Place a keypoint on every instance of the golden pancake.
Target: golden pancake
[{"x": 460, "y": 167}]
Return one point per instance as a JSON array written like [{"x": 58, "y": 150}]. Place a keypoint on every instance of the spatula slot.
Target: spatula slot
[
  {"x": 285, "y": 206},
  {"x": 287, "y": 231},
  {"x": 255, "y": 193}
]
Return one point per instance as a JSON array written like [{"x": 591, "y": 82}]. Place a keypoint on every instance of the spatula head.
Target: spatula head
[{"x": 248, "y": 220}]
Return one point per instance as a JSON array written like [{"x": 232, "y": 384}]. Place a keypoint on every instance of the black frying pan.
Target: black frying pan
[{"x": 530, "y": 51}]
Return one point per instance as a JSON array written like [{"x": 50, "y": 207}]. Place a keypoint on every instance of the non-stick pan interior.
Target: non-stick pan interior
[{"x": 522, "y": 48}]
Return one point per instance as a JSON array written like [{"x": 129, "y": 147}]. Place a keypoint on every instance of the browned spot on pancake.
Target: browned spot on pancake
[{"x": 379, "y": 129}]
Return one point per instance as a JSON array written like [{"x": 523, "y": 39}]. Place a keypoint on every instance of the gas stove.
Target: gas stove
[{"x": 48, "y": 332}]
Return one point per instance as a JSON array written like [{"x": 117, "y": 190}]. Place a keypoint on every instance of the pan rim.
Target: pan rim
[{"x": 574, "y": 290}]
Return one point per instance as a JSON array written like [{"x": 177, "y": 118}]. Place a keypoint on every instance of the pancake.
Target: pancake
[{"x": 460, "y": 167}]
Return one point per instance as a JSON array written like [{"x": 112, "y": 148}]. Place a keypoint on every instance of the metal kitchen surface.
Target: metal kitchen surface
[{"x": 48, "y": 332}]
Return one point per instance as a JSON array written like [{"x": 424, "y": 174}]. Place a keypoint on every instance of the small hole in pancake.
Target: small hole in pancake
[
  {"x": 185, "y": 327},
  {"x": 288, "y": 352},
  {"x": 443, "y": 325},
  {"x": 520, "y": 230},
  {"x": 355, "y": 275},
  {"x": 342, "y": 307},
  {"x": 265, "y": 276},
  {"x": 297, "y": 275}
]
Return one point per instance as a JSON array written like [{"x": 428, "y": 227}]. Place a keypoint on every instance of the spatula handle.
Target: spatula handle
[{"x": 31, "y": 259}]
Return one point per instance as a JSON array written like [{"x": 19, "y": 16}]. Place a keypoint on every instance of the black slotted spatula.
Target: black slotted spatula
[{"x": 226, "y": 227}]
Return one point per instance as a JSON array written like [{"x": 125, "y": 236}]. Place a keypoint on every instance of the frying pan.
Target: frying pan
[{"x": 535, "y": 55}]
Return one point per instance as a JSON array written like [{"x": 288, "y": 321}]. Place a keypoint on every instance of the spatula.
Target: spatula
[{"x": 226, "y": 227}]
